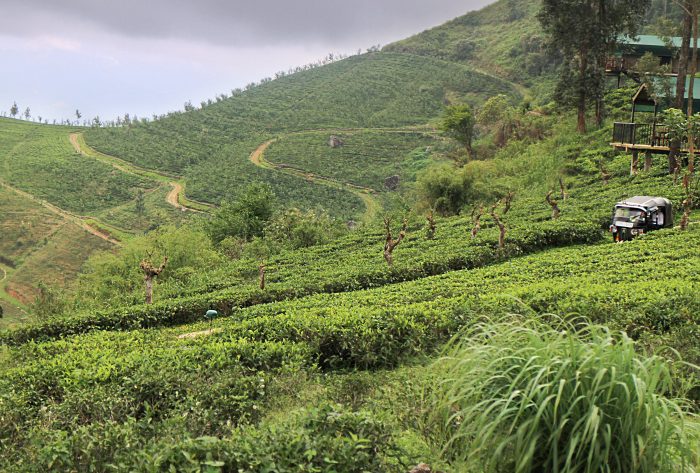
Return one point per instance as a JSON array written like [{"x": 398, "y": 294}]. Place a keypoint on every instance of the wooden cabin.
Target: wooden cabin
[
  {"x": 630, "y": 50},
  {"x": 646, "y": 132}
]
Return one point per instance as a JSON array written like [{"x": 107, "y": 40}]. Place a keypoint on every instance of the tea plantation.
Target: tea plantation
[
  {"x": 557, "y": 351},
  {"x": 210, "y": 146},
  {"x": 69, "y": 402}
]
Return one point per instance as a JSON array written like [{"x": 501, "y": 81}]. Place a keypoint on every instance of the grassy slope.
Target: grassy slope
[
  {"x": 365, "y": 159},
  {"x": 211, "y": 146},
  {"x": 41, "y": 244},
  {"x": 503, "y": 39},
  {"x": 40, "y": 160},
  {"x": 36, "y": 245}
]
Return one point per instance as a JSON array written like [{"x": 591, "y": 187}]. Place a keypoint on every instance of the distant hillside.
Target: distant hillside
[
  {"x": 211, "y": 146},
  {"x": 503, "y": 38},
  {"x": 57, "y": 207}
]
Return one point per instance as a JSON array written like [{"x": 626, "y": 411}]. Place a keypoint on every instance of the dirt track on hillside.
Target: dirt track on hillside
[
  {"x": 372, "y": 206},
  {"x": 76, "y": 219},
  {"x": 172, "y": 198}
]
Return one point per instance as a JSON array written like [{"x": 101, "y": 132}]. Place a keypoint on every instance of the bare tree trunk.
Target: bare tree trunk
[
  {"x": 392, "y": 243},
  {"x": 430, "y": 229},
  {"x": 634, "y": 163},
  {"x": 685, "y": 220},
  {"x": 149, "y": 274},
  {"x": 501, "y": 227},
  {"x": 476, "y": 220},
  {"x": 149, "y": 289},
  {"x": 562, "y": 188},
  {"x": 555, "y": 206},
  {"x": 508, "y": 202},
  {"x": 683, "y": 60},
  {"x": 261, "y": 276}
]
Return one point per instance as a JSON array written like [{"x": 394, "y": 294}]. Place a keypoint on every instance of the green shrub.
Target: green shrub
[
  {"x": 244, "y": 218},
  {"x": 527, "y": 397},
  {"x": 323, "y": 439},
  {"x": 358, "y": 270}
]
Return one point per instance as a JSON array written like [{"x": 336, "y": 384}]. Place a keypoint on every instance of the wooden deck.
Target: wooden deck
[
  {"x": 652, "y": 138},
  {"x": 627, "y": 147}
]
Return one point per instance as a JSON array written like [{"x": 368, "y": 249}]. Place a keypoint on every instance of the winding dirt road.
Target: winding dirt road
[
  {"x": 174, "y": 197},
  {"x": 372, "y": 206},
  {"x": 66, "y": 215}
]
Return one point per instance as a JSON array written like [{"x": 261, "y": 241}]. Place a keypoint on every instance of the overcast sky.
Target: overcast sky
[{"x": 107, "y": 57}]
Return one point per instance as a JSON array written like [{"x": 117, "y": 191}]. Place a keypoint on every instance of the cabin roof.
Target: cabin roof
[
  {"x": 642, "y": 97},
  {"x": 648, "y": 43}
]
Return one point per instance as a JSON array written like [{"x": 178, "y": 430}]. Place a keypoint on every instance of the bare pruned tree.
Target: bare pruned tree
[
  {"x": 150, "y": 272},
  {"x": 553, "y": 203},
  {"x": 261, "y": 276},
  {"x": 392, "y": 243},
  {"x": 477, "y": 213},
  {"x": 501, "y": 226},
  {"x": 508, "y": 202},
  {"x": 430, "y": 226},
  {"x": 563, "y": 194}
]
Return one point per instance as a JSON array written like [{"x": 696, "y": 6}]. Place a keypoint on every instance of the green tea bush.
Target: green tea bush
[
  {"x": 368, "y": 91},
  {"x": 327, "y": 438},
  {"x": 343, "y": 272},
  {"x": 321, "y": 440},
  {"x": 521, "y": 396}
]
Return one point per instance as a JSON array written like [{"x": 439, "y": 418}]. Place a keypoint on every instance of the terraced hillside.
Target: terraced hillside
[
  {"x": 211, "y": 146},
  {"x": 208, "y": 379},
  {"x": 57, "y": 207},
  {"x": 555, "y": 351},
  {"x": 356, "y": 262},
  {"x": 503, "y": 38},
  {"x": 362, "y": 158}
]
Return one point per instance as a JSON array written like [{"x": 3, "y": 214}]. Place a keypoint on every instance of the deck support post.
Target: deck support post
[
  {"x": 647, "y": 161},
  {"x": 634, "y": 165}
]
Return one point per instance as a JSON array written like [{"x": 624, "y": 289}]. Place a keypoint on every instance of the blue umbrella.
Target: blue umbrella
[{"x": 211, "y": 315}]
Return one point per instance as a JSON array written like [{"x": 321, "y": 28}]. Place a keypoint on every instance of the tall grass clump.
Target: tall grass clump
[{"x": 521, "y": 397}]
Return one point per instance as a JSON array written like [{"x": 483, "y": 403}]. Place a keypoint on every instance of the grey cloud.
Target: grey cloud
[{"x": 234, "y": 22}]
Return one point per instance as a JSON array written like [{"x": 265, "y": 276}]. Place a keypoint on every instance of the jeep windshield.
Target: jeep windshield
[{"x": 626, "y": 214}]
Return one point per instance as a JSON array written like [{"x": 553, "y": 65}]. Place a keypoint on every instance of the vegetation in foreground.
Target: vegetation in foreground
[{"x": 328, "y": 359}]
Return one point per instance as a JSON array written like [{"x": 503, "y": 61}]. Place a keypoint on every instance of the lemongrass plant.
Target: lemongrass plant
[{"x": 524, "y": 396}]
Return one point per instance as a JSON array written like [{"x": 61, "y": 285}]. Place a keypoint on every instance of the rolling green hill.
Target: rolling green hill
[
  {"x": 341, "y": 363},
  {"x": 57, "y": 207},
  {"x": 210, "y": 147},
  {"x": 41, "y": 161},
  {"x": 503, "y": 38}
]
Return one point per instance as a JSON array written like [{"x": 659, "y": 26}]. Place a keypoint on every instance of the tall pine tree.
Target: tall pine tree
[{"x": 585, "y": 33}]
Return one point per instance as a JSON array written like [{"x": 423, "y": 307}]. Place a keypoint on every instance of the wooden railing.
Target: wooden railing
[
  {"x": 615, "y": 64},
  {"x": 647, "y": 134}
]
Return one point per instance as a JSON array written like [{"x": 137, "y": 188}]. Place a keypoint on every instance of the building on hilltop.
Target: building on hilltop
[
  {"x": 645, "y": 132},
  {"x": 630, "y": 50}
]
